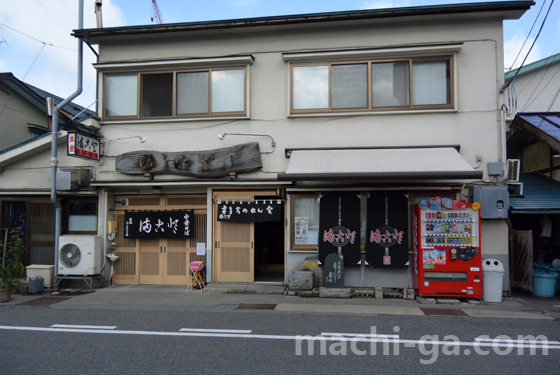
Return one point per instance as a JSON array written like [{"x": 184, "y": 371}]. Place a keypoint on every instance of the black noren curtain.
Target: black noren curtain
[
  {"x": 339, "y": 227},
  {"x": 387, "y": 230}
]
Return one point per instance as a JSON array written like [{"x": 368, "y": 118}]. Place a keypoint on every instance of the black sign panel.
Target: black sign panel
[
  {"x": 333, "y": 272},
  {"x": 250, "y": 212},
  {"x": 339, "y": 227},
  {"x": 159, "y": 224},
  {"x": 387, "y": 230}
]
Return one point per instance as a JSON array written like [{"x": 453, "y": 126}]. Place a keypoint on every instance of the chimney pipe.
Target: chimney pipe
[{"x": 98, "y": 14}]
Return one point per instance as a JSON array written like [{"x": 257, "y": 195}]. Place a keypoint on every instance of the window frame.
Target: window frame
[
  {"x": 174, "y": 114},
  {"x": 67, "y": 214},
  {"x": 371, "y": 109},
  {"x": 293, "y": 246}
]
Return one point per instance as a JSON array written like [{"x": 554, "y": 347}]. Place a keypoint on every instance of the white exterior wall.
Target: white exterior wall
[
  {"x": 34, "y": 172},
  {"x": 478, "y": 70}
]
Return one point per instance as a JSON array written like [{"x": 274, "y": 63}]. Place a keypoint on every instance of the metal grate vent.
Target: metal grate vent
[{"x": 256, "y": 306}]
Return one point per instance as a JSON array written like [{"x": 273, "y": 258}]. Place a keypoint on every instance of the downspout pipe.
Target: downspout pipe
[{"x": 54, "y": 142}]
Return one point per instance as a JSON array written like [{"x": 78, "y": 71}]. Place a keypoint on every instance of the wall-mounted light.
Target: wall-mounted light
[
  {"x": 273, "y": 144},
  {"x": 142, "y": 140}
]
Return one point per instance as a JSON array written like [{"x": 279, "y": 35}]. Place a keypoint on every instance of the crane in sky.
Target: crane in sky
[{"x": 156, "y": 14}]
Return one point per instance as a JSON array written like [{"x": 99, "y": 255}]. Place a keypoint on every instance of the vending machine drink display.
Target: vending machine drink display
[{"x": 446, "y": 245}]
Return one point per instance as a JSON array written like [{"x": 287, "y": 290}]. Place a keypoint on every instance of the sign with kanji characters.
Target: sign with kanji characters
[
  {"x": 339, "y": 227},
  {"x": 83, "y": 146},
  {"x": 387, "y": 230},
  {"x": 333, "y": 272},
  {"x": 159, "y": 224},
  {"x": 250, "y": 211}
]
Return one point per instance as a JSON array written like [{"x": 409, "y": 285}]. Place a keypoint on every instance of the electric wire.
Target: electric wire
[
  {"x": 28, "y": 70},
  {"x": 540, "y": 92},
  {"x": 531, "y": 48},
  {"x": 546, "y": 62},
  {"x": 527, "y": 38},
  {"x": 40, "y": 41},
  {"x": 542, "y": 121}
]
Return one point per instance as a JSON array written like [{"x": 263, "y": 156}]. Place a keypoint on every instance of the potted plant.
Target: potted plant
[{"x": 12, "y": 268}]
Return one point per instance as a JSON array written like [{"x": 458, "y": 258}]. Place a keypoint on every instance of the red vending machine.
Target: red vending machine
[{"x": 446, "y": 246}]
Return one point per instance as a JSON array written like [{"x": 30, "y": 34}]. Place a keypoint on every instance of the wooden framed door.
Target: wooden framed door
[
  {"x": 235, "y": 252},
  {"x": 126, "y": 267},
  {"x": 234, "y": 243},
  {"x": 175, "y": 266},
  {"x": 163, "y": 261},
  {"x": 151, "y": 260}
]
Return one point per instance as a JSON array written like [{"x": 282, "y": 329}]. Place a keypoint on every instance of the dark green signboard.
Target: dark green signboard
[{"x": 333, "y": 271}]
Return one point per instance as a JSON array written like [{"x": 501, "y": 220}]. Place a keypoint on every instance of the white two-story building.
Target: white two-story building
[{"x": 262, "y": 132}]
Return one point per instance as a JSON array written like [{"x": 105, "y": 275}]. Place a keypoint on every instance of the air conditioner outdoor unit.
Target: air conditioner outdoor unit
[
  {"x": 513, "y": 167},
  {"x": 80, "y": 255},
  {"x": 72, "y": 179}
]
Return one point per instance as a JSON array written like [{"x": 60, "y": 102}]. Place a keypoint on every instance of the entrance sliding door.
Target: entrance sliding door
[{"x": 235, "y": 252}]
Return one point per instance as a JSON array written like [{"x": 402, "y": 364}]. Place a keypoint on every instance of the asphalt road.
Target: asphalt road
[{"x": 150, "y": 342}]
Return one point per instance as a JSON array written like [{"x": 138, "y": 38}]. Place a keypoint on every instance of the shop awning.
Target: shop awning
[
  {"x": 417, "y": 163},
  {"x": 541, "y": 195}
]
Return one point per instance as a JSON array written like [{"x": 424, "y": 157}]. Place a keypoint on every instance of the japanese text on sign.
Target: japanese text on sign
[
  {"x": 159, "y": 224},
  {"x": 250, "y": 212}
]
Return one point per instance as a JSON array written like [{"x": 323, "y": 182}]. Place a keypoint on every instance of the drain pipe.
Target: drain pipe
[{"x": 54, "y": 142}]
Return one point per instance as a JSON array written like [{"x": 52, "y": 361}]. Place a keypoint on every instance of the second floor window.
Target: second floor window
[
  {"x": 197, "y": 93},
  {"x": 372, "y": 85}
]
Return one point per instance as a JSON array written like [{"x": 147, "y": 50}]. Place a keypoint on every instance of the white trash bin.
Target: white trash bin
[{"x": 492, "y": 280}]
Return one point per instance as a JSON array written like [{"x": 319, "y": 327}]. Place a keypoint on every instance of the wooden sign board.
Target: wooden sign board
[{"x": 210, "y": 163}]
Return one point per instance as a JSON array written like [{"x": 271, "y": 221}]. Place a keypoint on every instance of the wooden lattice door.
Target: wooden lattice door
[{"x": 158, "y": 261}]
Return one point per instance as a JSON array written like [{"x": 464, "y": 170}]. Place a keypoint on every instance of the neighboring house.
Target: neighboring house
[
  {"x": 293, "y": 122},
  {"x": 23, "y": 114},
  {"x": 25, "y": 174},
  {"x": 535, "y": 88},
  {"x": 534, "y": 139}
]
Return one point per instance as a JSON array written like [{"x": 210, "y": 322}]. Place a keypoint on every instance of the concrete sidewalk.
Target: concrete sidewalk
[{"x": 176, "y": 298}]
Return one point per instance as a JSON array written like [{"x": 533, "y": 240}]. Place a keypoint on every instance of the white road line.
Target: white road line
[
  {"x": 81, "y": 327},
  {"x": 215, "y": 330},
  {"x": 539, "y": 345},
  {"x": 379, "y": 335},
  {"x": 503, "y": 341}
]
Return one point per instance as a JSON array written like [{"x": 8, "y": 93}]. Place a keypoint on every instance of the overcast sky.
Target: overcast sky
[{"x": 36, "y": 46}]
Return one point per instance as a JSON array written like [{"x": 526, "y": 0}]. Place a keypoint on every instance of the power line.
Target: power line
[
  {"x": 534, "y": 23},
  {"x": 29, "y": 36},
  {"x": 532, "y": 45},
  {"x": 529, "y": 101},
  {"x": 40, "y": 41},
  {"x": 33, "y": 63},
  {"x": 28, "y": 70}
]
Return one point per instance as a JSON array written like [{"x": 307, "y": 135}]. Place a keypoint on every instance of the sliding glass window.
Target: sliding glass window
[
  {"x": 414, "y": 83},
  {"x": 201, "y": 93}
]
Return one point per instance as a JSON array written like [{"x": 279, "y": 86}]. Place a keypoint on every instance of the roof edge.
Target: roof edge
[{"x": 497, "y": 6}]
